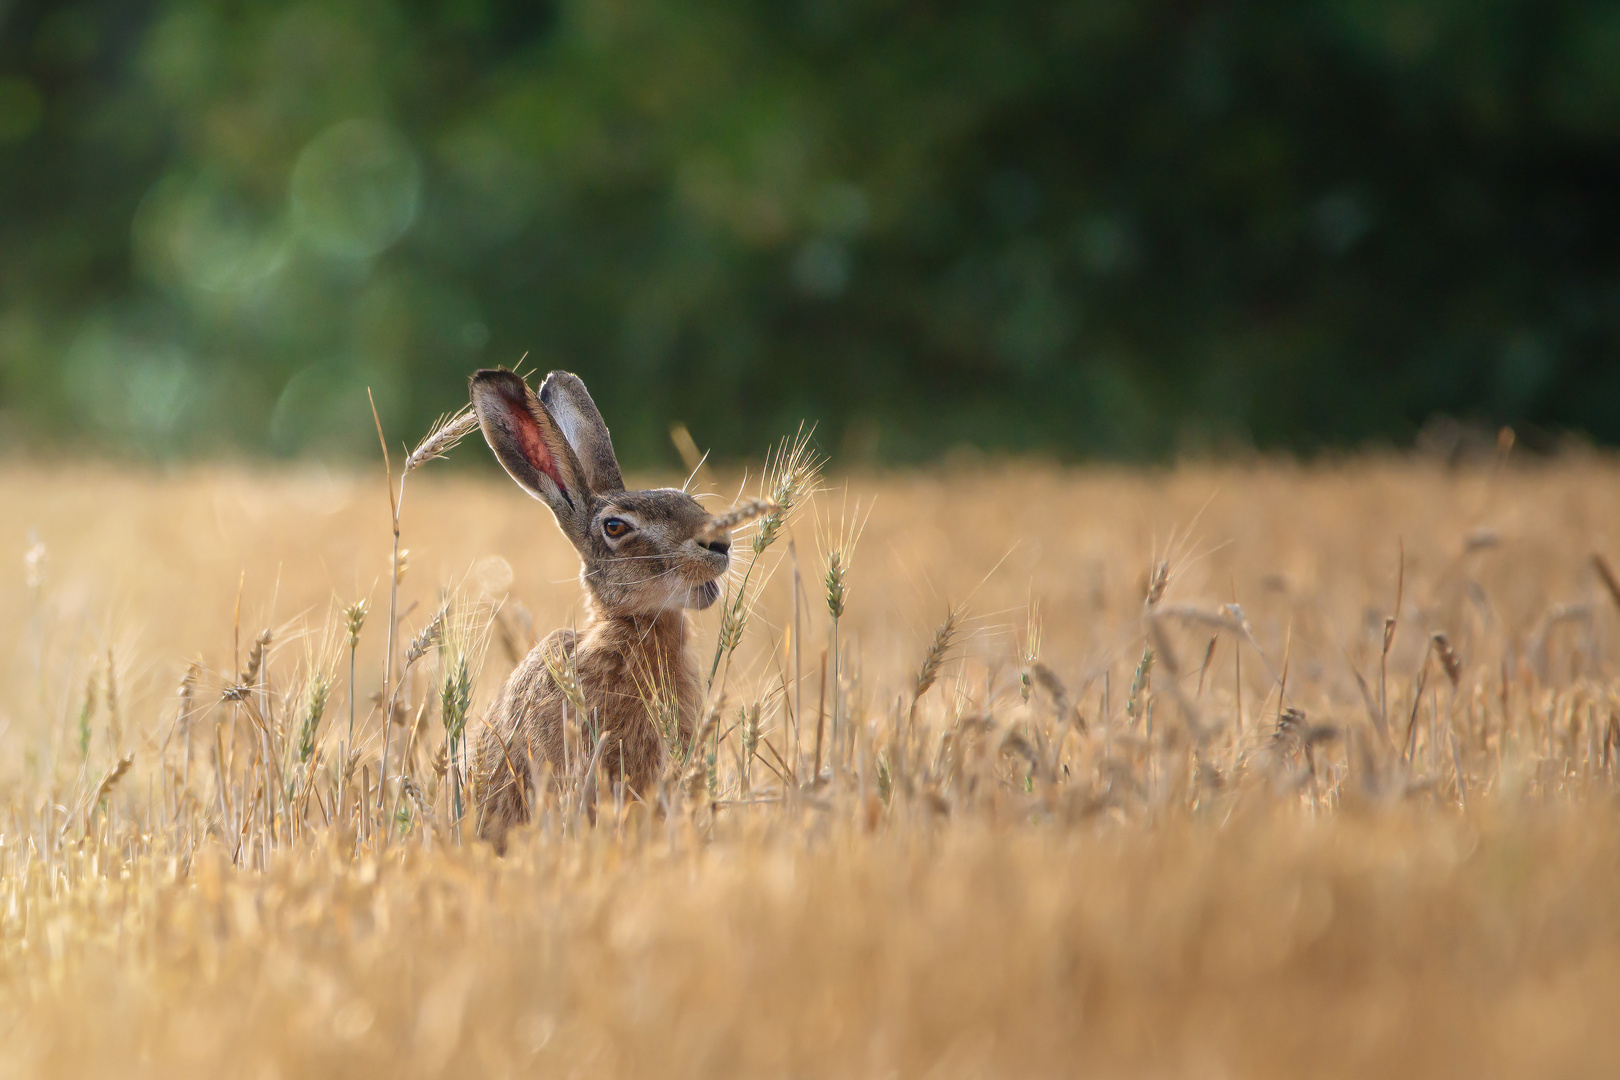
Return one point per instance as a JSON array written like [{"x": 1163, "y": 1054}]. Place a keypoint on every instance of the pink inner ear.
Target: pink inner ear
[{"x": 534, "y": 447}]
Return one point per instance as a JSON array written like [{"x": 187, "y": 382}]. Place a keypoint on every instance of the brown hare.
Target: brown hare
[{"x": 646, "y": 556}]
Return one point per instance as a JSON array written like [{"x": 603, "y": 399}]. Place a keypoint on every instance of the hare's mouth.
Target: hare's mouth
[{"x": 704, "y": 595}]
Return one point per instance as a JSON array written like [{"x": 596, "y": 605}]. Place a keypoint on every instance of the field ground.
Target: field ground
[{"x": 1192, "y": 788}]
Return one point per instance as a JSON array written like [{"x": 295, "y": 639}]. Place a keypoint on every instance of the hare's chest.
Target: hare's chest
[{"x": 627, "y": 688}]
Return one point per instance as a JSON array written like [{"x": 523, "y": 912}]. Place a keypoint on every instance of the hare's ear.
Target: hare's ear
[
  {"x": 569, "y": 403},
  {"x": 528, "y": 443}
]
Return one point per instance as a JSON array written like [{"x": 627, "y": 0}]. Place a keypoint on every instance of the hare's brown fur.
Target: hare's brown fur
[
  {"x": 646, "y": 556},
  {"x": 618, "y": 661}
]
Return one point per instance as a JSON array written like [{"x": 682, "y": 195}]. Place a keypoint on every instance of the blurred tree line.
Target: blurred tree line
[{"x": 1115, "y": 227}]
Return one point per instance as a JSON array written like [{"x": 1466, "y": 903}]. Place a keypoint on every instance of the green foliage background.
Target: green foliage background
[{"x": 1115, "y": 227}]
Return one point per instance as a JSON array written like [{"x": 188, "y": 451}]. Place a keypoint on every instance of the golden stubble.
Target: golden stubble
[{"x": 1122, "y": 838}]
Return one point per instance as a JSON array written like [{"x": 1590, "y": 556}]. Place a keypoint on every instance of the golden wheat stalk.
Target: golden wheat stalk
[
  {"x": 792, "y": 475},
  {"x": 109, "y": 780},
  {"x": 559, "y": 663},
  {"x": 1448, "y": 657},
  {"x": 442, "y": 438},
  {"x": 113, "y": 775},
  {"x": 938, "y": 651},
  {"x": 320, "y": 686},
  {"x": 425, "y": 638},
  {"x": 741, "y": 514},
  {"x": 250, "y": 674}
]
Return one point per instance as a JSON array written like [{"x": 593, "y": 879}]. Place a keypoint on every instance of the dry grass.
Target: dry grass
[{"x": 1222, "y": 809}]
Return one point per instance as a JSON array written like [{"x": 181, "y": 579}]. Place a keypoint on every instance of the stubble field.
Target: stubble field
[{"x": 1260, "y": 770}]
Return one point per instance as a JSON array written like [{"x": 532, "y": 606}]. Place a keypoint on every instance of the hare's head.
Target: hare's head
[{"x": 644, "y": 552}]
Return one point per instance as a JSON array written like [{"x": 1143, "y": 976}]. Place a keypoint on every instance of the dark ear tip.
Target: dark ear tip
[{"x": 507, "y": 383}]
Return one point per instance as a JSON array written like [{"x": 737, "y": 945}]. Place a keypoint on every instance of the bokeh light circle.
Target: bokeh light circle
[{"x": 356, "y": 189}]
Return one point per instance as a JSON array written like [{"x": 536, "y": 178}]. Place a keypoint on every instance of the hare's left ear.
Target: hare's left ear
[
  {"x": 530, "y": 445},
  {"x": 570, "y": 405}
]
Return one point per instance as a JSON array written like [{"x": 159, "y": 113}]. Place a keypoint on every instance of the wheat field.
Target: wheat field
[{"x": 1251, "y": 770}]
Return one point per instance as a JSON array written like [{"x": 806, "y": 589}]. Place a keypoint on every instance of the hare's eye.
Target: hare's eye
[{"x": 614, "y": 528}]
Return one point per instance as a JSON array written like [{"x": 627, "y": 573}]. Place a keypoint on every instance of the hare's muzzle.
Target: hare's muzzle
[{"x": 714, "y": 552}]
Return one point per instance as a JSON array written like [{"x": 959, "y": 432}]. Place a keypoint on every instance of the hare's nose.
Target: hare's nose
[{"x": 719, "y": 547}]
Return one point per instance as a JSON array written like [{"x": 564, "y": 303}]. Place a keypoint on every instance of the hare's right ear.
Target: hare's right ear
[
  {"x": 528, "y": 444},
  {"x": 569, "y": 404}
]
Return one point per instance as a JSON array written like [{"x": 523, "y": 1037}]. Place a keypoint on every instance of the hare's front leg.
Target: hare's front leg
[{"x": 523, "y": 733}]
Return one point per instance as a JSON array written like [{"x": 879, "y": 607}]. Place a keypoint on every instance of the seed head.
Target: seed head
[
  {"x": 938, "y": 651},
  {"x": 1157, "y": 582},
  {"x": 445, "y": 434},
  {"x": 836, "y": 570},
  {"x": 354, "y": 617},
  {"x": 425, "y": 638},
  {"x": 250, "y": 674},
  {"x": 455, "y": 698},
  {"x": 111, "y": 778},
  {"x": 1448, "y": 658},
  {"x": 741, "y": 514},
  {"x": 320, "y": 688},
  {"x": 732, "y": 622},
  {"x": 1139, "y": 684},
  {"x": 413, "y": 791},
  {"x": 560, "y": 666},
  {"x": 1289, "y": 735},
  {"x": 791, "y": 476},
  {"x": 188, "y": 692}
]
